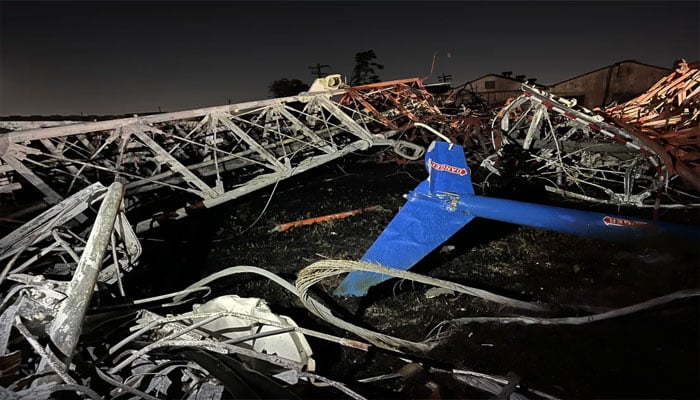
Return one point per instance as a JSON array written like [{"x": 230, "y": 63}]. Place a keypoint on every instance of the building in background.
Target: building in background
[
  {"x": 492, "y": 88},
  {"x": 619, "y": 82}
]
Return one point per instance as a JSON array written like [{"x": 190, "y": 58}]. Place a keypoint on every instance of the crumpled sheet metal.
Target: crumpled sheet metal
[
  {"x": 291, "y": 345},
  {"x": 668, "y": 113}
]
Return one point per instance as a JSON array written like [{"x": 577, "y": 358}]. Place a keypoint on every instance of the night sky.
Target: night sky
[{"x": 122, "y": 57}]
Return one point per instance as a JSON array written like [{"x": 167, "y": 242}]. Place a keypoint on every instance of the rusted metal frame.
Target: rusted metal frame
[
  {"x": 402, "y": 109},
  {"x": 67, "y": 326},
  {"x": 413, "y": 98},
  {"x": 205, "y": 191},
  {"x": 652, "y": 117},
  {"x": 687, "y": 174},
  {"x": 417, "y": 81},
  {"x": 386, "y": 97},
  {"x": 356, "y": 96},
  {"x": 394, "y": 93}
]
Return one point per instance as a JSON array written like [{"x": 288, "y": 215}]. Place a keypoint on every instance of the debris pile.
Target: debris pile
[
  {"x": 575, "y": 153},
  {"x": 669, "y": 114},
  {"x": 396, "y": 104},
  {"x": 399, "y": 105},
  {"x": 69, "y": 324}
]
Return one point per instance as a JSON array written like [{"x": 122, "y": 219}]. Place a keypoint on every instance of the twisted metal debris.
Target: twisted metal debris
[
  {"x": 195, "y": 158},
  {"x": 667, "y": 118},
  {"x": 635, "y": 155},
  {"x": 577, "y": 154},
  {"x": 125, "y": 348}
]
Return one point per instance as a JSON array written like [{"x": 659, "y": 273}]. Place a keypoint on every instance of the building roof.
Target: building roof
[
  {"x": 495, "y": 76},
  {"x": 610, "y": 66},
  {"x": 565, "y": 80},
  {"x": 465, "y": 85}
]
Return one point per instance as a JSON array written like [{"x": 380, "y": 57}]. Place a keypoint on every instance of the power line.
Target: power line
[{"x": 317, "y": 69}]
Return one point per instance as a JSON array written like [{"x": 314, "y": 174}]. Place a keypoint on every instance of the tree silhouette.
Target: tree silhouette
[
  {"x": 364, "y": 68},
  {"x": 287, "y": 87}
]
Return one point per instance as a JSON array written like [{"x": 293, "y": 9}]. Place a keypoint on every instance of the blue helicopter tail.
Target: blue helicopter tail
[{"x": 421, "y": 225}]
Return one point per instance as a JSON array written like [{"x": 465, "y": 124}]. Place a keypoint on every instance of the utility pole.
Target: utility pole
[
  {"x": 445, "y": 78},
  {"x": 317, "y": 69}
]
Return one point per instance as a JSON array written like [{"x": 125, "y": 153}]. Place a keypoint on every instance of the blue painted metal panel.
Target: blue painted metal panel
[
  {"x": 582, "y": 223},
  {"x": 419, "y": 228},
  {"x": 423, "y": 224},
  {"x": 445, "y": 202},
  {"x": 447, "y": 169}
]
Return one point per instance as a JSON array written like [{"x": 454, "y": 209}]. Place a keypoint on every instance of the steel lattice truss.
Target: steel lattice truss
[
  {"x": 400, "y": 104},
  {"x": 576, "y": 154},
  {"x": 205, "y": 157}
]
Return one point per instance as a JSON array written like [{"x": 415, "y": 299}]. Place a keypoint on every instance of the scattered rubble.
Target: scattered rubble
[
  {"x": 225, "y": 346},
  {"x": 668, "y": 114},
  {"x": 69, "y": 323},
  {"x": 577, "y": 154}
]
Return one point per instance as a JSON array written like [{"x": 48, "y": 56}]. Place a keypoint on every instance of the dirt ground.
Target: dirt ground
[{"x": 651, "y": 354}]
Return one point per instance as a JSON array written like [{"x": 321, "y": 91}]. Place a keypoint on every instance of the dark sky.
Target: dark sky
[{"x": 119, "y": 57}]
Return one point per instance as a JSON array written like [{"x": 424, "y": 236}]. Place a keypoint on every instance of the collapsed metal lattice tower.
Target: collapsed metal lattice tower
[{"x": 204, "y": 156}]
